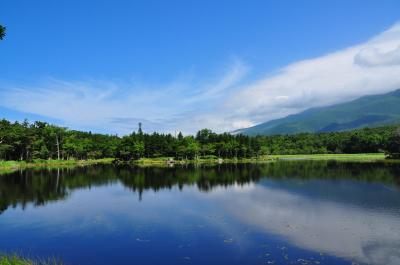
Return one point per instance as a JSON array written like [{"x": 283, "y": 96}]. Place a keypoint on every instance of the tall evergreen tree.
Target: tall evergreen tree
[{"x": 2, "y": 32}]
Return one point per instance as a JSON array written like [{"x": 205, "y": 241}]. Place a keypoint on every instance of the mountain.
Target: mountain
[{"x": 367, "y": 111}]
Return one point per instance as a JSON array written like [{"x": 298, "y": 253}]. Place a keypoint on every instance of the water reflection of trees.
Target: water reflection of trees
[
  {"x": 38, "y": 187},
  {"x": 371, "y": 172}
]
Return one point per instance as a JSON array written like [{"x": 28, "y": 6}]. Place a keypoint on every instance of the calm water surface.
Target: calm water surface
[{"x": 280, "y": 213}]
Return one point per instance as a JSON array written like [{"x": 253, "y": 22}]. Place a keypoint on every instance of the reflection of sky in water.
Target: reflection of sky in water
[
  {"x": 280, "y": 221},
  {"x": 368, "y": 235}
]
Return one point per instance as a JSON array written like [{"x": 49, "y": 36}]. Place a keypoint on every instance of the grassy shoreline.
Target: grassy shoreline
[
  {"x": 163, "y": 161},
  {"x": 15, "y": 259},
  {"x": 372, "y": 157},
  {"x": 364, "y": 157},
  {"x": 13, "y": 165}
]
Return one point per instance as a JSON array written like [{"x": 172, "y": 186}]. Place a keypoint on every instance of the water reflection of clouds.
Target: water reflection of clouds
[
  {"x": 110, "y": 209},
  {"x": 364, "y": 233},
  {"x": 361, "y": 234}
]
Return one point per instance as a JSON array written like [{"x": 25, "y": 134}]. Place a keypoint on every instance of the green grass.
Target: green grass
[
  {"x": 339, "y": 157},
  {"x": 151, "y": 161},
  {"x": 162, "y": 161},
  {"x": 12, "y": 165},
  {"x": 9, "y": 166},
  {"x": 267, "y": 158},
  {"x": 18, "y": 260}
]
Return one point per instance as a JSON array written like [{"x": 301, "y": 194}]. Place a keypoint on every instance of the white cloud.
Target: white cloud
[
  {"x": 321, "y": 81},
  {"x": 329, "y": 79},
  {"x": 225, "y": 104},
  {"x": 117, "y": 107},
  {"x": 374, "y": 57}
]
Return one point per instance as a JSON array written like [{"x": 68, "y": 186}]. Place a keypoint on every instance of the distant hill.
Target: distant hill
[{"x": 367, "y": 111}]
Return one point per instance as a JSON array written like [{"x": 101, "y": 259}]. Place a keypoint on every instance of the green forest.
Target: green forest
[{"x": 40, "y": 140}]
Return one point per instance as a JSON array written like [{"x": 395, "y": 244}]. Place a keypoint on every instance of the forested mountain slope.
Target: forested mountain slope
[{"x": 367, "y": 111}]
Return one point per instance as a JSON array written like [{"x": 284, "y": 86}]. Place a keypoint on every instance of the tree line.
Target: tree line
[{"x": 40, "y": 140}]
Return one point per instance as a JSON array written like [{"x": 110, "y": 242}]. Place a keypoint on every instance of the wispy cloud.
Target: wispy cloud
[
  {"x": 220, "y": 89},
  {"x": 224, "y": 104},
  {"x": 117, "y": 107}
]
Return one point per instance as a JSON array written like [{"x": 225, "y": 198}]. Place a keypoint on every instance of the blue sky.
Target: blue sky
[{"x": 183, "y": 65}]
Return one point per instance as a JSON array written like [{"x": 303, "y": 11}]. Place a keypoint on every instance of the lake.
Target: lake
[{"x": 290, "y": 212}]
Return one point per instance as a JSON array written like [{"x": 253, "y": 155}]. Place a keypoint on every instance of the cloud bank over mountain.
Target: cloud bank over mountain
[{"x": 372, "y": 67}]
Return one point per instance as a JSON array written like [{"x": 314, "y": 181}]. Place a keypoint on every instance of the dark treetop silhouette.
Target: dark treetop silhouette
[{"x": 2, "y": 32}]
